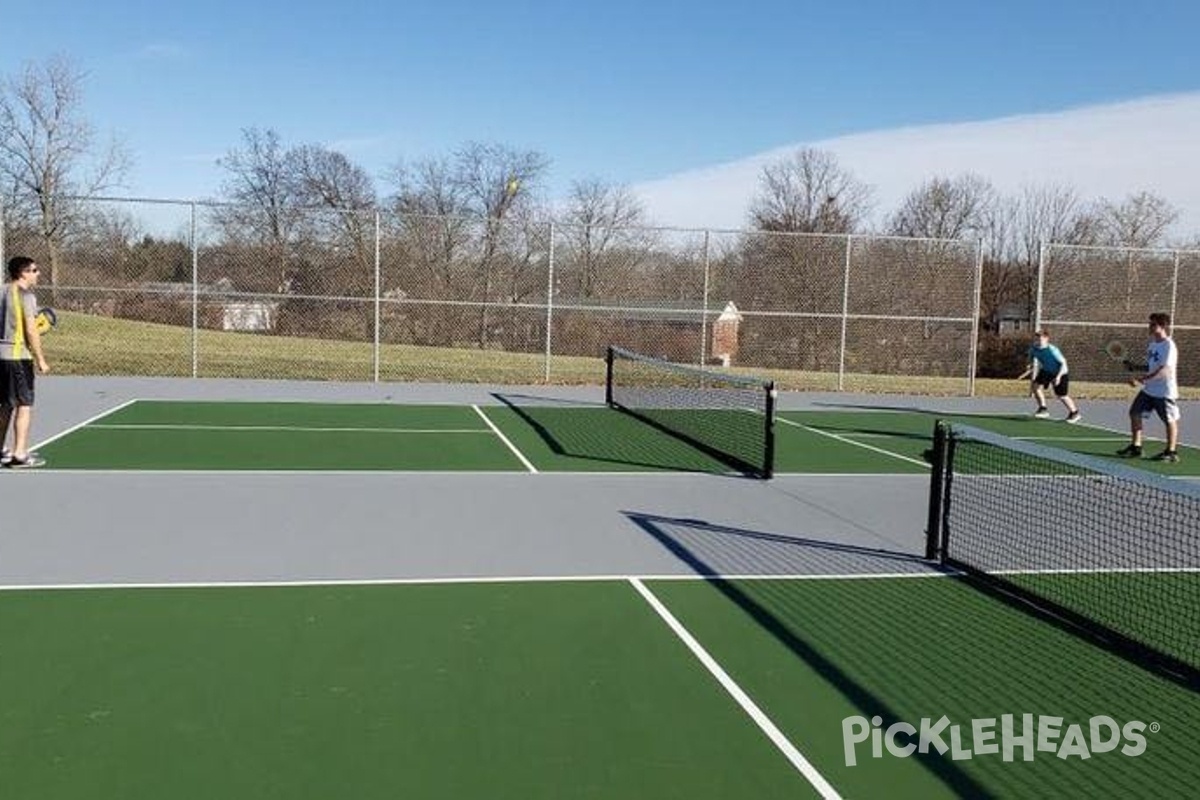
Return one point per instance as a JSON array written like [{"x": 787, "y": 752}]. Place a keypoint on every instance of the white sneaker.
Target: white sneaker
[
  {"x": 1041, "y": 413},
  {"x": 30, "y": 461},
  {"x": 1073, "y": 417}
]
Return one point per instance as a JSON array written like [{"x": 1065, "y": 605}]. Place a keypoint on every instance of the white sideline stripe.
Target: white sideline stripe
[
  {"x": 933, "y": 573},
  {"x": 751, "y": 708},
  {"x": 504, "y": 439},
  {"x": 1098, "y": 571},
  {"x": 153, "y": 426},
  {"x": 500, "y": 473},
  {"x": 1071, "y": 438},
  {"x": 88, "y": 421},
  {"x": 1113, "y": 438},
  {"x": 352, "y": 582},
  {"x": 847, "y": 440}
]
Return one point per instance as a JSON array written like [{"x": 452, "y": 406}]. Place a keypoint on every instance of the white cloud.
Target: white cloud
[
  {"x": 357, "y": 143},
  {"x": 1102, "y": 151},
  {"x": 163, "y": 50}
]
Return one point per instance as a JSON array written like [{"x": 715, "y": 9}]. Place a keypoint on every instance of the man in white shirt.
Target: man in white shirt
[{"x": 1160, "y": 391}]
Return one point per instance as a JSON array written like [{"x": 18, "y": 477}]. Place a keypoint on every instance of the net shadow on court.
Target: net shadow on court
[
  {"x": 903, "y": 647},
  {"x": 715, "y": 550},
  {"x": 605, "y": 436},
  {"x": 1106, "y": 551}
]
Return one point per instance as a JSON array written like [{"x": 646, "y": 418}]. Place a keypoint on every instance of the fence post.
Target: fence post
[
  {"x": 3, "y": 260},
  {"x": 375, "y": 348},
  {"x": 549, "y": 304},
  {"x": 841, "y": 379},
  {"x": 1043, "y": 258},
  {"x": 1174, "y": 285},
  {"x": 704, "y": 306},
  {"x": 973, "y": 358},
  {"x": 195, "y": 294}
]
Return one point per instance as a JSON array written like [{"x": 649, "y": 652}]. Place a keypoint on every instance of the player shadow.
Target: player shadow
[{"x": 596, "y": 441}]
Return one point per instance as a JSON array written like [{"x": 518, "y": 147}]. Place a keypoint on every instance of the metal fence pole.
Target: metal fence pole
[
  {"x": 378, "y": 285},
  {"x": 549, "y": 303},
  {"x": 1174, "y": 285},
  {"x": 973, "y": 358},
  {"x": 3, "y": 222},
  {"x": 195, "y": 294},
  {"x": 704, "y": 309},
  {"x": 1043, "y": 258},
  {"x": 841, "y": 380}
]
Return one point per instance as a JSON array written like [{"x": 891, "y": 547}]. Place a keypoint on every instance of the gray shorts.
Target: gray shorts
[{"x": 1144, "y": 405}]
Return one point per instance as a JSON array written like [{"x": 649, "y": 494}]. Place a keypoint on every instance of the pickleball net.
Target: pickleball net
[
  {"x": 729, "y": 417},
  {"x": 1110, "y": 550}
]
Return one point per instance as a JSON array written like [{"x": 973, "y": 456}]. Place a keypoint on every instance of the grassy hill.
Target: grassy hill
[{"x": 86, "y": 344}]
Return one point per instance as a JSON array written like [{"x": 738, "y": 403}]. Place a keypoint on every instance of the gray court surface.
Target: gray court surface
[{"x": 162, "y": 528}]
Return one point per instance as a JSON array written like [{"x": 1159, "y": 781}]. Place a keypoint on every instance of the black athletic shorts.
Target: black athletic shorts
[
  {"x": 16, "y": 383},
  {"x": 1046, "y": 379}
]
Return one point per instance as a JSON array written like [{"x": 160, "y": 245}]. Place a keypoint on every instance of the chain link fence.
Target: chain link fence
[
  {"x": 1090, "y": 297},
  {"x": 152, "y": 287}
]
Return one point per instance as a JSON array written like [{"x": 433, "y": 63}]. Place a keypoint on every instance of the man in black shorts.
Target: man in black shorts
[{"x": 20, "y": 348}]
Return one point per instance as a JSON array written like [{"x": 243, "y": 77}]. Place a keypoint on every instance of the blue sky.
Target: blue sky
[{"x": 624, "y": 91}]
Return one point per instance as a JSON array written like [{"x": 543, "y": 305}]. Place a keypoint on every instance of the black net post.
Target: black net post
[
  {"x": 937, "y": 490},
  {"x": 608, "y": 377},
  {"x": 769, "y": 434}
]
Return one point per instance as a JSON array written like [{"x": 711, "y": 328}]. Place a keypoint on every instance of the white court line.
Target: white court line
[
  {"x": 153, "y": 426},
  {"x": 88, "y": 421},
  {"x": 498, "y": 473},
  {"x": 481, "y": 579},
  {"x": 1071, "y": 438},
  {"x": 504, "y": 439},
  {"x": 1098, "y": 571},
  {"x": 1113, "y": 438},
  {"x": 846, "y": 440},
  {"x": 777, "y": 737}
]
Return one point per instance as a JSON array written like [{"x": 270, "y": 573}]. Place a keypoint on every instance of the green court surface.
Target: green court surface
[
  {"x": 160, "y": 435},
  {"x": 631, "y": 687},
  {"x": 556, "y": 689}
]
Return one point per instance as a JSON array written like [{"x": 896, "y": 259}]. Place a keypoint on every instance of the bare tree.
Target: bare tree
[
  {"x": 264, "y": 194},
  {"x": 326, "y": 179},
  {"x": 430, "y": 230},
  {"x": 809, "y": 193},
  {"x": 1052, "y": 214},
  {"x": 945, "y": 208},
  {"x": 602, "y": 221},
  {"x": 48, "y": 152},
  {"x": 1042, "y": 215},
  {"x": 428, "y": 188},
  {"x": 467, "y": 216},
  {"x": 1140, "y": 220},
  {"x": 494, "y": 178}
]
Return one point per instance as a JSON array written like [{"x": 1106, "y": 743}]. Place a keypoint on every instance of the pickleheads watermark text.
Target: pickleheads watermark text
[{"x": 1010, "y": 737}]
